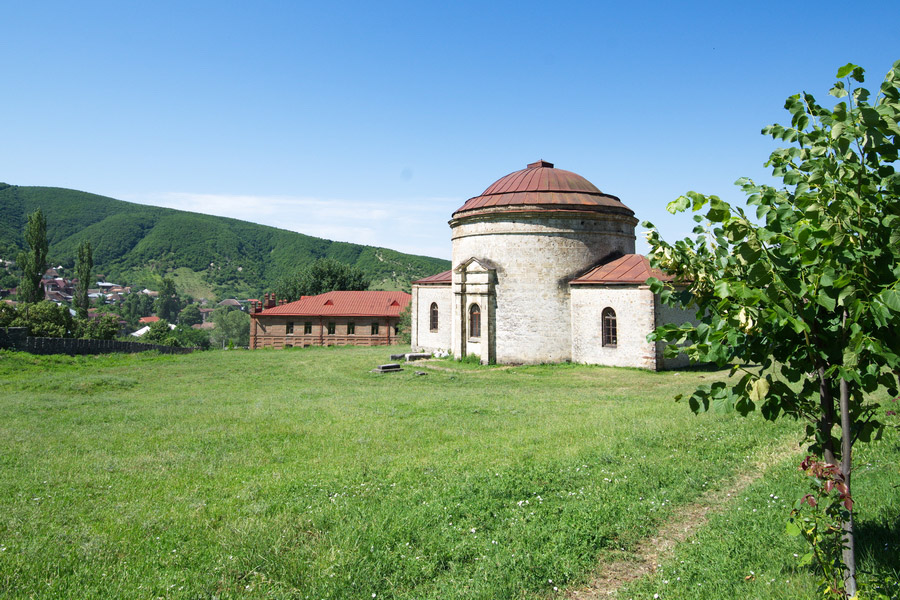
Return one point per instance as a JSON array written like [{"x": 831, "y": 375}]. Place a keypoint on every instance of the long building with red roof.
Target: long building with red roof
[{"x": 364, "y": 318}]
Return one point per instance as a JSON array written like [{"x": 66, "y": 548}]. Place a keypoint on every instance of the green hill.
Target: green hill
[{"x": 136, "y": 244}]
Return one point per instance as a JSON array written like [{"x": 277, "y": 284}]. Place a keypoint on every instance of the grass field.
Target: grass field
[{"x": 300, "y": 474}]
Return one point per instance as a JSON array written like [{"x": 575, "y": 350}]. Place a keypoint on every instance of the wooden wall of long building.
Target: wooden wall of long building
[{"x": 285, "y": 332}]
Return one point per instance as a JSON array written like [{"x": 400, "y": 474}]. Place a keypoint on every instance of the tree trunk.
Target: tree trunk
[
  {"x": 849, "y": 551},
  {"x": 826, "y": 421}
]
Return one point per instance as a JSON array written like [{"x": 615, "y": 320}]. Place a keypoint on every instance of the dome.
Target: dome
[{"x": 541, "y": 187}]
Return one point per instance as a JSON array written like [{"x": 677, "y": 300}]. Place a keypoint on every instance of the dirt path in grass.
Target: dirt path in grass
[{"x": 610, "y": 576}]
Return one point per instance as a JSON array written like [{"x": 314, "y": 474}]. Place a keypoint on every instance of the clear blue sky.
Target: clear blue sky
[{"x": 372, "y": 122}]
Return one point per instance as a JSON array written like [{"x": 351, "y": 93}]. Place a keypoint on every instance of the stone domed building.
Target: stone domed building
[{"x": 544, "y": 270}]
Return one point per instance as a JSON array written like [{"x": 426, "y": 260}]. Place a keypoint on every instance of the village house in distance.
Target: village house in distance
[
  {"x": 367, "y": 318},
  {"x": 544, "y": 270}
]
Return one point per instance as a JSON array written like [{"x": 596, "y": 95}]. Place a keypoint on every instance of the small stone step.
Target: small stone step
[
  {"x": 388, "y": 368},
  {"x": 417, "y": 356}
]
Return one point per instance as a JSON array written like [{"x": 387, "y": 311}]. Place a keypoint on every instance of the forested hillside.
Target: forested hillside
[{"x": 136, "y": 244}]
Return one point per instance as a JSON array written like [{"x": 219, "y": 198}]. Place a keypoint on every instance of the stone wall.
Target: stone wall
[
  {"x": 17, "y": 338},
  {"x": 534, "y": 257},
  {"x": 423, "y": 339},
  {"x": 634, "y": 307},
  {"x": 638, "y": 313}
]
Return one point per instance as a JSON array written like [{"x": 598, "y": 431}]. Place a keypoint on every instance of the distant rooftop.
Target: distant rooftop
[{"x": 344, "y": 303}]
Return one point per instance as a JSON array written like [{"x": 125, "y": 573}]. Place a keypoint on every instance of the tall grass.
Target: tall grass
[{"x": 300, "y": 474}]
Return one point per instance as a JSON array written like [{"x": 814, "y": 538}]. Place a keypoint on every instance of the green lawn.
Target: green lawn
[{"x": 300, "y": 474}]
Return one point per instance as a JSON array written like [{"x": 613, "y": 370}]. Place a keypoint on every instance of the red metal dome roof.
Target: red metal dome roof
[{"x": 541, "y": 187}]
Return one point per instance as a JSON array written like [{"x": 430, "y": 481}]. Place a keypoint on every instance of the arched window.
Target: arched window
[
  {"x": 474, "y": 321},
  {"x": 610, "y": 336},
  {"x": 434, "y": 316}
]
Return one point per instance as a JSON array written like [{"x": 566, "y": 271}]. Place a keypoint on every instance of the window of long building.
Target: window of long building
[
  {"x": 289, "y": 328},
  {"x": 375, "y": 328},
  {"x": 351, "y": 328},
  {"x": 307, "y": 327}
]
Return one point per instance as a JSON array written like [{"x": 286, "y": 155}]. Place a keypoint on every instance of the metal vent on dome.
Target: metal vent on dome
[{"x": 540, "y": 163}]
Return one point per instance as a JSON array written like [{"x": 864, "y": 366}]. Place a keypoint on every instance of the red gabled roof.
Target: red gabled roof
[
  {"x": 441, "y": 278},
  {"x": 630, "y": 269},
  {"x": 343, "y": 304},
  {"x": 146, "y": 320}
]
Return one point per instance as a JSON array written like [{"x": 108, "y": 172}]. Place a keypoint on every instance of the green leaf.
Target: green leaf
[
  {"x": 793, "y": 285},
  {"x": 846, "y": 70},
  {"x": 851, "y": 358},
  {"x": 678, "y": 205},
  {"x": 721, "y": 289},
  {"x": 846, "y": 291},
  {"x": 792, "y": 177},
  {"x": 837, "y": 130},
  {"x": 699, "y": 200},
  {"x": 718, "y": 210},
  {"x": 759, "y": 274},
  {"x": 891, "y": 298},
  {"x": 825, "y": 300},
  {"x": 870, "y": 117},
  {"x": 759, "y": 389},
  {"x": 749, "y": 252},
  {"x": 792, "y": 529}
]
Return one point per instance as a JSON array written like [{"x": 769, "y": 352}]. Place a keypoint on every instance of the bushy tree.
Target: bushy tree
[
  {"x": 7, "y": 279},
  {"x": 136, "y": 306},
  {"x": 43, "y": 319},
  {"x": 158, "y": 333},
  {"x": 83, "y": 264},
  {"x": 188, "y": 337},
  {"x": 323, "y": 275},
  {"x": 180, "y": 336},
  {"x": 168, "y": 304},
  {"x": 8, "y": 312},
  {"x": 33, "y": 262},
  {"x": 803, "y": 300},
  {"x": 232, "y": 327},
  {"x": 190, "y": 315},
  {"x": 104, "y": 327},
  {"x": 404, "y": 324}
]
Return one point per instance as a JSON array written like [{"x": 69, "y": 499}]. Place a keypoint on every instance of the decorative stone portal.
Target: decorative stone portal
[{"x": 474, "y": 310}]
